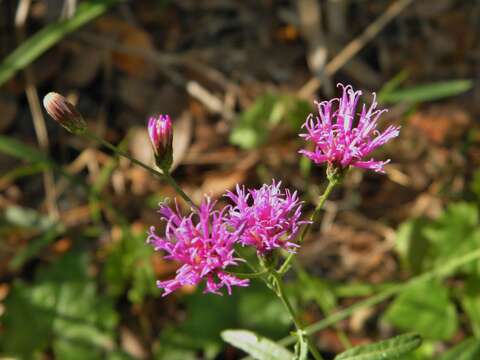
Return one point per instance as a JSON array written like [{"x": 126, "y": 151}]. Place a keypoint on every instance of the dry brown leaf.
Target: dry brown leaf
[
  {"x": 216, "y": 182},
  {"x": 441, "y": 123}
]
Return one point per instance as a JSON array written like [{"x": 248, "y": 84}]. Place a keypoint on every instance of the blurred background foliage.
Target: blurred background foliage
[{"x": 76, "y": 278}]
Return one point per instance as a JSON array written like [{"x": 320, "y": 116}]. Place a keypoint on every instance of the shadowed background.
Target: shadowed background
[{"x": 238, "y": 79}]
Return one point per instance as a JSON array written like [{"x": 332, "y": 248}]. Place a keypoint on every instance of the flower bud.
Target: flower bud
[
  {"x": 161, "y": 135},
  {"x": 63, "y": 112}
]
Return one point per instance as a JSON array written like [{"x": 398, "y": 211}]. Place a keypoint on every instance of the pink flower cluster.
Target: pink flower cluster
[
  {"x": 203, "y": 242},
  {"x": 341, "y": 140},
  {"x": 266, "y": 218}
]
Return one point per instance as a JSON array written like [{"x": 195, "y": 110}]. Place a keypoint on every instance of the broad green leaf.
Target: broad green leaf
[
  {"x": 128, "y": 266},
  {"x": 470, "y": 300},
  {"x": 252, "y": 125},
  {"x": 413, "y": 246},
  {"x": 424, "y": 308},
  {"x": 467, "y": 350},
  {"x": 258, "y": 347},
  {"x": 456, "y": 232},
  {"x": 389, "y": 349},
  {"x": 426, "y": 243},
  {"x": 317, "y": 289},
  {"x": 272, "y": 321},
  {"x": 428, "y": 92},
  {"x": 27, "y": 329},
  {"x": 36, "y": 45},
  {"x": 62, "y": 311}
]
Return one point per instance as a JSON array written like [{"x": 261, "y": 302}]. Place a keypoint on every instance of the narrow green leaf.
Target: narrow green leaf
[
  {"x": 19, "y": 150},
  {"x": 258, "y": 347},
  {"x": 467, "y": 350},
  {"x": 388, "y": 349},
  {"x": 36, "y": 45},
  {"x": 392, "y": 84},
  {"x": 428, "y": 92}
]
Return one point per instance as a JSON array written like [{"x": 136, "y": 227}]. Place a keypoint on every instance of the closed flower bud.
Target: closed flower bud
[
  {"x": 63, "y": 112},
  {"x": 161, "y": 135}
]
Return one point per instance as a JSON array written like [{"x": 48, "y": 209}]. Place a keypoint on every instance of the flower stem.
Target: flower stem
[
  {"x": 321, "y": 201},
  {"x": 164, "y": 175},
  {"x": 279, "y": 290}
]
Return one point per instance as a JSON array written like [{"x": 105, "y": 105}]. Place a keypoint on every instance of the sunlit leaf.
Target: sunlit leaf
[
  {"x": 258, "y": 347},
  {"x": 424, "y": 308}
]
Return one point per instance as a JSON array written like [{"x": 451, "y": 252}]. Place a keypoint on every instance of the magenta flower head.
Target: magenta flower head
[
  {"x": 63, "y": 112},
  {"x": 270, "y": 217},
  {"x": 161, "y": 135},
  {"x": 202, "y": 244},
  {"x": 341, "y": 138}
]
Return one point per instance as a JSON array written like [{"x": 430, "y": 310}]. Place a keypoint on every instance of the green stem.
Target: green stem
[
  {"x": 304, "y": 277},
  {"x": 383, "y": 295},
  {"x": 252, "y": 275},
  {"x": 280, "y": 291},
  {"x": 321, "y": 201},
  {"x": 164, "y": 175}
]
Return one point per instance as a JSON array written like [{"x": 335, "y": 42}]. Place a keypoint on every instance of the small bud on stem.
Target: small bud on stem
[
  {"x": 63, "y": 112},
  {"x": 161, "y": 135}
]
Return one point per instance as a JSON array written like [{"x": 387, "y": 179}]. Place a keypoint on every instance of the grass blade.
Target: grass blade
[{"x": 36, "y": 45}]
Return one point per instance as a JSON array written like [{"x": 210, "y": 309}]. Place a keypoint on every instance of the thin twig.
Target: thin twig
[
  {"x": 310, "y": 15},
  {"x": 355, "y": 46},
  {"x": 36, "y": 111}
]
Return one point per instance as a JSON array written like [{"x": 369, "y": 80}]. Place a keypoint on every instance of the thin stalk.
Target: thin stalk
[
  {"x": 280, "y": 291},
  {"x": 305, "y": 277},
  {"x": 164, "y": 175},
  {"x": 321, "y": 201},
  {"x": 252, "y": 275}
]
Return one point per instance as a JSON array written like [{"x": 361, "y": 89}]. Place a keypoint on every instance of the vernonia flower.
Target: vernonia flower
[
  {"x": 202, "y": 243},
  {"x": 270, "y": 216},
  {"x": 161, "y": 136},
  {"x": 342, "y": 141}
]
